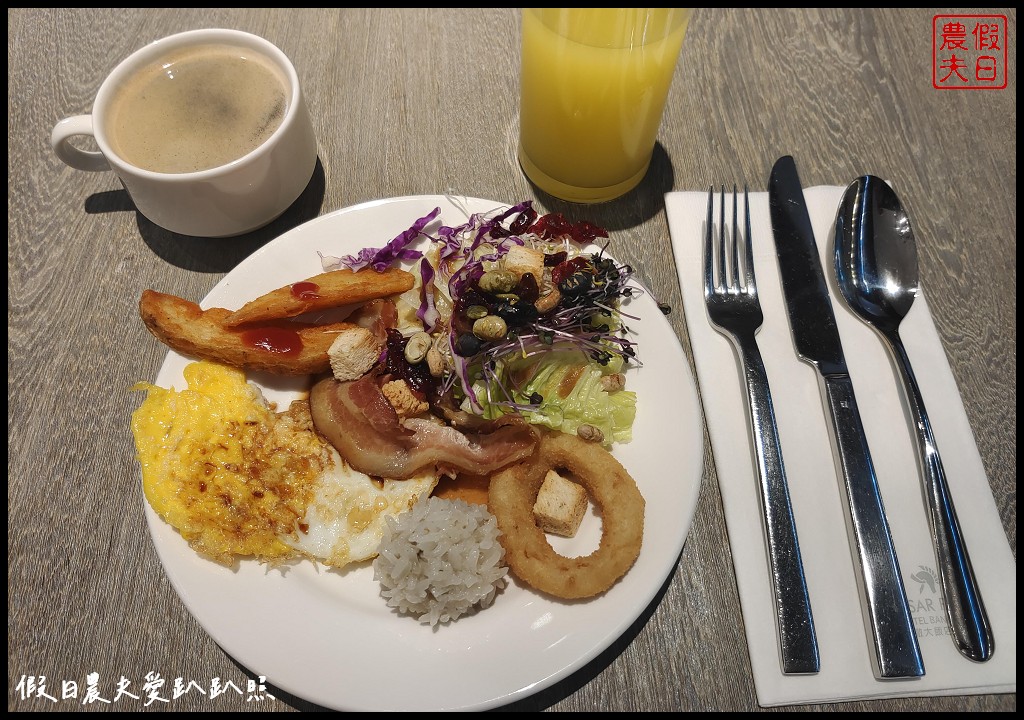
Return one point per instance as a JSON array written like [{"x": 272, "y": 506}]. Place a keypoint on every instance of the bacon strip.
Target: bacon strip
[{"x": 357, "y": 419}]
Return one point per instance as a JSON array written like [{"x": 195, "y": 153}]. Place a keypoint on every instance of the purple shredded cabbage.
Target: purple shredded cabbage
[
  {"x": 381, "y": 258},
  {"x": 451, "y": 241},
  {"x": 427, "y": 311},
  {"x": 514, "y": 210},
  {"x": 566, "y": 329}
]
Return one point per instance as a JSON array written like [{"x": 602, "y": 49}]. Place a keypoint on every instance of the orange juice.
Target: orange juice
[{"x": 592, "y": 90}]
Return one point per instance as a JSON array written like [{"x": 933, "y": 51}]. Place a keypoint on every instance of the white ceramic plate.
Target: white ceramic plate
[{"x": 329, "y": 638}]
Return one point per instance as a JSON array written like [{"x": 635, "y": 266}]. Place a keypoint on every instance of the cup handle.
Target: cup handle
[{"x": 60, "y": 138}]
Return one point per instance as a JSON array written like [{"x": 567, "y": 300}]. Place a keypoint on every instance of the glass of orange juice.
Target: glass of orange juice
[{"x": 592, "y": 91}]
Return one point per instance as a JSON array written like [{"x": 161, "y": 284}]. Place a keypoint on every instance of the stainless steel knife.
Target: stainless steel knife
[{"x": 887, "y": 616}]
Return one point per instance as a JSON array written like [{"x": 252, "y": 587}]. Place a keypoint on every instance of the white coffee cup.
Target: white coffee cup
[{"x": 234, "y": 197}]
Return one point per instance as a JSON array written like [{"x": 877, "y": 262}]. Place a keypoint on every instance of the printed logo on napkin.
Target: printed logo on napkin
[
  {"x": 969, "y": 52},
  {"x": 924, "y": 596}
]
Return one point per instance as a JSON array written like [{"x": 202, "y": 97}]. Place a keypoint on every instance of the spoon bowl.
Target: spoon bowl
[
  {"x": 876, "y": 257},
  {"x": 877, "y": 274}
]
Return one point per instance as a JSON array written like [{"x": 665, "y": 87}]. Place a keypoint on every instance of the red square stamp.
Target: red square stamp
[{"x": 969, "y": 52}]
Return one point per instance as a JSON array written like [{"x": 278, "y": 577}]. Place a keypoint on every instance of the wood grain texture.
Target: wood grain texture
[{"x": 425, "y": 101}]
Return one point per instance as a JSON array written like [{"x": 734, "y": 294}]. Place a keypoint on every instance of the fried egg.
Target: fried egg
[
  {"x": 239, "y": 480},
  {"x": 345, "y": 521}
]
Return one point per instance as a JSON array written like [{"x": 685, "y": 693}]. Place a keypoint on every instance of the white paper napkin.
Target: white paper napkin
[{"x": 816, "y": 495}]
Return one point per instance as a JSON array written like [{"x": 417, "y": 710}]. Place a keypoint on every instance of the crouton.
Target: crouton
[
  {"x": 403, "y": 399},
  {"x": 353, "y": 353},
  {"x": 560, "y": 505},
  {"x": 521, "y": 260}
]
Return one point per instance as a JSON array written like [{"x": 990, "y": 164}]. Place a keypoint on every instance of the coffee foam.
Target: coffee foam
[{"x": 197, "y": 108}]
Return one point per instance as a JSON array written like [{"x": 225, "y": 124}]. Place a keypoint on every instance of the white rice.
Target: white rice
[{"x": 440, "y": 560}]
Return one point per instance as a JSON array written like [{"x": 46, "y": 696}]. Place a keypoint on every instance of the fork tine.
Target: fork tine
[
  {"x": 735, "y": 277},
  {"x": 728, "y": 268},
  {"x": 709, "y": 257},
  {"x": 751, "y": 284},
  {"x": 724, "y": 279}
]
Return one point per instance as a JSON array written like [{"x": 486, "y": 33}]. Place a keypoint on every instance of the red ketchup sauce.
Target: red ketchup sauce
[
  {"x": 276, "y": 340},
  {"x": 305, "y": 290}
]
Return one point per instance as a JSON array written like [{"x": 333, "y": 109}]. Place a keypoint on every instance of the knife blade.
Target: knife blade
[{"x": 887, "y": 619}]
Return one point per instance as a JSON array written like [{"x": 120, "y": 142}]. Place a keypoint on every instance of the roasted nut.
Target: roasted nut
[
  {"x": 590, "y": 433},
  {"x": 490, "y": 327},
  {"x": 475, "y": 312},
  {"x": 613, "y": 383},
  {"x": 435, "y": 361},
  {"x": 417, "y": 346},
  {"x": 548, "y": 302},
  {"x": 498, "y": 281}
]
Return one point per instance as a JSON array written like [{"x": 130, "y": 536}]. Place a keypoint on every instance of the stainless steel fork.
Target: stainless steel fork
[{"x": 735, "y": 311}]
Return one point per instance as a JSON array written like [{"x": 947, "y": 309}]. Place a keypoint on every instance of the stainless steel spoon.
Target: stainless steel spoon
[{"x": 876, "y": 270}]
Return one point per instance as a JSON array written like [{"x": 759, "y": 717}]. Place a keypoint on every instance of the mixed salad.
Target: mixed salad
[{"x": 511, "y": 315}]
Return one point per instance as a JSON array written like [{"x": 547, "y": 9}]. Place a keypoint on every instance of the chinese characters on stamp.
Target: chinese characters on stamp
[
  {"x": 969, "y": 52},
  {"x": 153, "y": 689}
]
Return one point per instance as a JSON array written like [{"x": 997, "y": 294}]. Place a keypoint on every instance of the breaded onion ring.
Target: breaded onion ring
[{"x": 530, "y": 556}]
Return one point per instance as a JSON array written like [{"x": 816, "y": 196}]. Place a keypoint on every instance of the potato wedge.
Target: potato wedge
[
  {"x": 322, "y": 292},
  {"x": 282, "y": 347}
]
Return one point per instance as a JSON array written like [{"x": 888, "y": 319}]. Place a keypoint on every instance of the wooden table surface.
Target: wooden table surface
[{"x": 424, "y": 101}]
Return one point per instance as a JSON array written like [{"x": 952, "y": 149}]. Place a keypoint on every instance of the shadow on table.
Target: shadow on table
[
  {"x": 632, "y": 209},
  {"x": 214, "y": 255}
]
